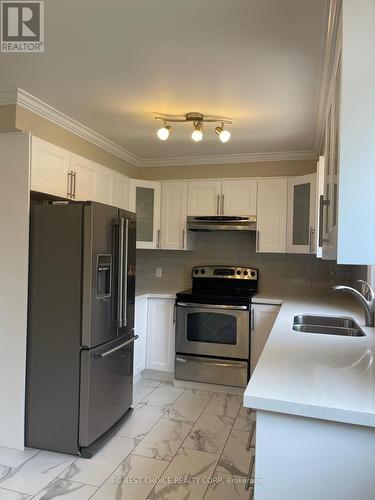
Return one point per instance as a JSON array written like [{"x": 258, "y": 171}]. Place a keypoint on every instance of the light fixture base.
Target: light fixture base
[{"x": 194, "y": 117}]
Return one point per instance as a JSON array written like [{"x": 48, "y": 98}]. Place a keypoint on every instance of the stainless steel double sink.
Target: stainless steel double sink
[{"x": 329, "y": 325}]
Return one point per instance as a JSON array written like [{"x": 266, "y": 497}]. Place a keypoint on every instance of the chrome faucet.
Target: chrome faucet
[{"x": 366, "y": 298}]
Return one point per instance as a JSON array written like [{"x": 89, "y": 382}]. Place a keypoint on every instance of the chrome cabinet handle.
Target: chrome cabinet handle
[
  {"x": 222, "y": 204},
  {"x": 212, "y": 306},
  {"x": 311, "y": 240},
  {"x": 183, "y": 239},
  {"x": 115, "y": 349},
  {"x": 257, "y": 240},
  {"x": 74, "y": 182},
  {"x": 252, "y": 319},
  {"x": 322, "y": 203},
  {"x": 158, "y": 238},
  {"x": 218, "y": 205},
  {"x": 120, "y": 275},
  {"x": 70, "y": 184}
]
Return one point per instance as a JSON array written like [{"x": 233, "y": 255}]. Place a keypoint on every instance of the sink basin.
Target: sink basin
[{"x": 330, "y": 325}]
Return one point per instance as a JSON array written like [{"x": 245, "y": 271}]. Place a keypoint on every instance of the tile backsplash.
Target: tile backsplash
[{"x": 238, "y": 248}]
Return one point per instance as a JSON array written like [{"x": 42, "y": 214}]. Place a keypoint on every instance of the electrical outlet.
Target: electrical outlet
[{"x": 159, "y": 272}]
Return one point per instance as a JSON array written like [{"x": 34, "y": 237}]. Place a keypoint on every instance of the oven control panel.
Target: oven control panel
[{"x": 239, "y": 273}]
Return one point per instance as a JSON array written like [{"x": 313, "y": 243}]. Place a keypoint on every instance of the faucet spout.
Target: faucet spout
[{"x": 368, "y": 305}]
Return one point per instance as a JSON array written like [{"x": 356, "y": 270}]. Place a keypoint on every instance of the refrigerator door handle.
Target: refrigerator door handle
[
  {"x": 120, "y": 282},
  {"x": 125, "y": 270},
  {"x": 115, "y": 349}
]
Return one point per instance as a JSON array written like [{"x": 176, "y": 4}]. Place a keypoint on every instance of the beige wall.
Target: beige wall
[
  {"x": 259, "y": 169},
  {"x": 45, "y": 129},
  {"x": 15, "y": 117},
  {"x": 8, "y": 117}
]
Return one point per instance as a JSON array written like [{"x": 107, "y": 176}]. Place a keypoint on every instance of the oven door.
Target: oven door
[{"x": 212, "y": 330}]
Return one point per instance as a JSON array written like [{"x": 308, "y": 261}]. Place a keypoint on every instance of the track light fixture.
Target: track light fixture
[
  {"x": 198, "y": 119},
  {"x": 197, "y": 134},
  {"x": 224, "y": 135},
  {"x": 163, "y": 133}
]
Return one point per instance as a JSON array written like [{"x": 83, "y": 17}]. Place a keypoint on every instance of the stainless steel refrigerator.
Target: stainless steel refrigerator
[{"x": 81, "y": 323}]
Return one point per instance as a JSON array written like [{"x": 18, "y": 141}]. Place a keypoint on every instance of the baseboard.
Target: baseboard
[
  {"x": 227, "y": 389},
  {"x": 157, "y": 375}
]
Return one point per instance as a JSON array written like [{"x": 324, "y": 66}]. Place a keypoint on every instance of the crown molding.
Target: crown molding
[
  {"x": 330, "y": 60},
  {"x": 228, "y": 158},
  {"x": 27, "y": 101},
  {"x": 22, "y": 98}
]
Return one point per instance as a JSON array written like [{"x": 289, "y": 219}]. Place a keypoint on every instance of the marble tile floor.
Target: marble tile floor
[{"x": 177, "y": 444}]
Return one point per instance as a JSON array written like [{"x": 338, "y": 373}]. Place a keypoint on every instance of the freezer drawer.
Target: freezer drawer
[
  {"x": 106, "y": 387},
  {"x": 211, "y": 370}
]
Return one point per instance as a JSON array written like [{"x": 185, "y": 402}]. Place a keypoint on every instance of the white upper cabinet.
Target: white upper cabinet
[
  {"x": 271, "y": 215},
  {"x": 122, "y": 191},
  {"x": 204, "y": 197},
  {"x": 239, "y": 197},
  {"x": 85, "y": 178},
  {"x": 50, "y": 166},
  {"x": 173, "y": 215},
  {"x": 106, "y": 182},
  {"x": 145, "y": 202},
  {"x": 301, "y": 214}
]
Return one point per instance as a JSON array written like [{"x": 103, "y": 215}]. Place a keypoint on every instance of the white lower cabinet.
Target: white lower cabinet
[
  {"x": 272, "y": 215},
  {"x": 263, "y": 318},
  {"x": 160, "y": 335},
  {"x": 140, "y": 329}
]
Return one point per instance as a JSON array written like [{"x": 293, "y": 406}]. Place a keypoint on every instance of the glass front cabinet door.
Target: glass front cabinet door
[
  {"x": 301, "y": 214},
  {"x": 145, "y": 202}
]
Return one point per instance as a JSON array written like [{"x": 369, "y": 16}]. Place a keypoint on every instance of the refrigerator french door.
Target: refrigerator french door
[{"x": 81, "y": 323}]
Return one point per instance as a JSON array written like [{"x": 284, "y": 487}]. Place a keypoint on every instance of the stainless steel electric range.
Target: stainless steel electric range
[{"x": 213, "y": 326}]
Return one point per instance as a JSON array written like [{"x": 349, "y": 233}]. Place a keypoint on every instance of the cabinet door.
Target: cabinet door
[
  {"x": 140, "y": 329},
  {"x": 86, "y": 178},
  {"x": 263, "y": 318},
  {"x": 160, "y": 335},
  {"x": 49, "y": 168},
  {"x": 204, "y": 197},
  {"x": 106, "y": 185},
  {"x": 272, "y": 215},
  {"x": 301, "y": 214},
  {"x": 173, "y": 215},
  {"x": 122, "y": 183},
  {"x": 145, "y": 202},
  {"x": 331, "y": 173},
  {"x": 239, "y": 197}
]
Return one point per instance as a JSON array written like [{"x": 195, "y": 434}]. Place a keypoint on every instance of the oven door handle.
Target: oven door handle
[
  {"x": 212, "y": 306},
  {"x": 210, "y": 363}
]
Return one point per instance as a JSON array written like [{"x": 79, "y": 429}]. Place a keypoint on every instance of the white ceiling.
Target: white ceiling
[{"x": 112, "y": 64}]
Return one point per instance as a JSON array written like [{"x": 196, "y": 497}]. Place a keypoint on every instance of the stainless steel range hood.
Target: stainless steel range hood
[{"x": 222, "y": 223}]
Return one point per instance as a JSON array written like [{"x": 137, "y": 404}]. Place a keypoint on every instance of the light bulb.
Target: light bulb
[
  {"x": 224, "y": 135},
  {"x": 163, "y": 133},
  {"x": 197, "y": 134}
]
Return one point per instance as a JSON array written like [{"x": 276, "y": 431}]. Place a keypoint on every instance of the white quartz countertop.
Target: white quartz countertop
[
  {"x": 141, "y": 294},
  {"x": 315, "y": 375}
]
